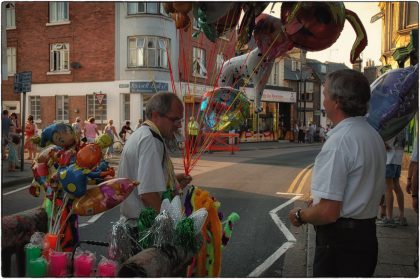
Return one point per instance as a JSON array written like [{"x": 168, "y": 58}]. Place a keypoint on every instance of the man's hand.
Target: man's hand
[
  {"x": 292, "y": 217},
  {"x": 183, "y": 179}
]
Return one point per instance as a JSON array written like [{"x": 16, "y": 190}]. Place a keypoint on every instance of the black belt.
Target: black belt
[{"x": 347, "y": 223}]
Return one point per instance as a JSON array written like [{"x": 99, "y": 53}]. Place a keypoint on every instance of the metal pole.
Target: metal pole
[
  {"x": 304, "y": 101},
  {"x": 22, "y": 150}
]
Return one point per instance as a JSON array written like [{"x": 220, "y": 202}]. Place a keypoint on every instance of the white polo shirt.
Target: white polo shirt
[
  {"x": 351, "y": 168},
  {"x": 141, "y": 160}
]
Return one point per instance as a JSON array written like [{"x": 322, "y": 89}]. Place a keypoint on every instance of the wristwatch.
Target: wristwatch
[{"x": 298, "y": 217}]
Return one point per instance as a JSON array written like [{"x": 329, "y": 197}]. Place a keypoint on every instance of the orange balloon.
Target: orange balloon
[
  {"x": 105, "y": 196},
  {"x": 181, "y": 20},
  {"x": 89, "y": 156},
  {"x": 168, "y": 7}
]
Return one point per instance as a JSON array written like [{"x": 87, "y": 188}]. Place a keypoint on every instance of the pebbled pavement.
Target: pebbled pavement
[{"x": 397, "y": 246}]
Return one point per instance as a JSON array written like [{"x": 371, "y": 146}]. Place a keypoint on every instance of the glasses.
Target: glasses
[{"x": 175, "y": 120}]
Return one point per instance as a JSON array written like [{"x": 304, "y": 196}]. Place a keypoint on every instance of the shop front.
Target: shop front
[{"x": 274, "y": 121}]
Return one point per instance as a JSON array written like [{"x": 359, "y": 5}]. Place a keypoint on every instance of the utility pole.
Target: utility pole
[{"x": 302, "y": 79}]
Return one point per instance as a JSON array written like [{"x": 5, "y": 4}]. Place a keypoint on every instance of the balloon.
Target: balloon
[
  {"x": 59, "y": 134},
  {"x": 89, "y": 156},
  {"x": 317, "y": 25},
  {"x": 270, "y": 37},
  {"x": 251, "y": 66},
  {"x": 394, "y": 101},
  {"x": 179, "y": 12},
  {"x": 224, "y": 108},
  {"x": 105, "y": 196},
  {"x": 208, "y": 14},
  {"x": 104, "y": 141},
  {"x": 252, "y": 10}
]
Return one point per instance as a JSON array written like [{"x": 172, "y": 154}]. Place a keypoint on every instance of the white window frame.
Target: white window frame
[
  {"x": 140, "y": 8},
  {"x": 10, "y": 16},
  {"x": 62, "y": 108},
  {"x": 11, "y": 61},
  {"x": 35, "y": 107},
  {"x": 199, "y": 62},
  {"x": 93, "y": 108},
  {"x": 275, "y": 71},
  {"x": 58, "y": 12},
  {"x": 323, "y": 69},
  {"x": 142, "y": 55},
  {"x": 294, "y": 65},
  {"x": 59, "y": 57}
]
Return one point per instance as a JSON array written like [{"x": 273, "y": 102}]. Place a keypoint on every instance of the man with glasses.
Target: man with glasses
[{"x": 145, "y": 156}]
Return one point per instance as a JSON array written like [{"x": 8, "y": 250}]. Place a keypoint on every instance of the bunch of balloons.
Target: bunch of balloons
[{"x": 63, "y": 170}]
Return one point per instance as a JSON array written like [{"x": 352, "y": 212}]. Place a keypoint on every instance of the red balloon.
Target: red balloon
[{"x": 89, "y": 156}]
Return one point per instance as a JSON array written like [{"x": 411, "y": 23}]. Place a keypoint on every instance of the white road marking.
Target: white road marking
[
  {"x": 17, "y": 190},
  {"x": 92, "y": 220},
  {"x": 291, "y": 240}
]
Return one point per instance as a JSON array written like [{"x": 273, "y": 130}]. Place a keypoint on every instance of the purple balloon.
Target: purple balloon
[{"x": 394, "y": 101}]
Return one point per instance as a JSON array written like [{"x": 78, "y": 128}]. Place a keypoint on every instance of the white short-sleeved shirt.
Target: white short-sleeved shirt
[
  {"x": 351, "y": 168},
  {"x": 141, "y": 160}
]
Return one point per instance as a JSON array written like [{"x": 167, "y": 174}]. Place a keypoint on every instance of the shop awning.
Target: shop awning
[{"x": 271, "y": 95}]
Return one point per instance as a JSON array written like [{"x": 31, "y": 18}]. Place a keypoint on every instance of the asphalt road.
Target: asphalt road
[{"x": 250, "y": 183}]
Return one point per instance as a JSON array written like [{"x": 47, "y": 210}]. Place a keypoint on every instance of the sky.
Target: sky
[{"x": 339, "y": 52}]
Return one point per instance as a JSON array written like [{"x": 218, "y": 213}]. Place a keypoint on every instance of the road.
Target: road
[{"x": 259, "y": 185}]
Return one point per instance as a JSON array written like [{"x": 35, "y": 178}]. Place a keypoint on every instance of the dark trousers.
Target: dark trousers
[{"x": 347, "y": 248}]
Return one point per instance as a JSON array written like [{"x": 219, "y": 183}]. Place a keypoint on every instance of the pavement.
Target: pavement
[{"x": 397, "y": 246}]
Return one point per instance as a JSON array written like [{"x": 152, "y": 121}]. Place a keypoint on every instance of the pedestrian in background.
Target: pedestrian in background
[
  {"x": 30, "y": 131},
  {"x": 6, "y": 124},
  {"x": 13, "y": 145},
  {"x": 321, "y": 134},
  {"x": 394, "y": 156},
  {"x": 15, "y": 130},
  {"x": 193, "y": 129},
  {"x": 111, "y": 132},
  {"x": 348, "y": 181},
  {"x": 90, "y": 130},
  {"x": 124, "y": 130},
  {"x": 77, "y": 127}
]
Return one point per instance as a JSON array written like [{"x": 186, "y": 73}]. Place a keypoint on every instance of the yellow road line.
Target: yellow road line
[
  {"x": 303, "y": 182},
  {"x": 298, "y": 177}
]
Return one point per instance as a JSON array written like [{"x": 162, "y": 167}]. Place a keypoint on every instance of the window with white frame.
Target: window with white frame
[
  {"x": 126, "y": 106},
  {"x": 323, "y": 69},
  {"x": 59, "y": 11},
  {"x": 134, "y": 8},
  {"x": 199, "y": 62},
  {"x": 96, "y": 110},
  {"x": 294, "y": 66},
  {"x": 62, "y": 108},
  {"x": 35, "y": 107},
  {"x": 148, "y": 51},
  {"x": 59, "y": 57},
  {"x": 219, "y": 62},
  {"x": 309, "y": 87},
  {"x": 10, "y": 15},
  {"x": 11, "y": 61}
]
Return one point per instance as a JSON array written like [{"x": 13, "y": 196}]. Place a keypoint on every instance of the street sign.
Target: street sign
[
  {"x": 100, "y": 97},
  {"x": 22, "y": 82}
]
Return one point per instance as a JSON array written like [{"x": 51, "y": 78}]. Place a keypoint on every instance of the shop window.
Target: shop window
[
  {"x": 11, "y": 61},
  {"x": 199, "y": 62},
  {"x": 10, "y": 16},
  {"x": 96, "y": 110},
  {"x": 62, "y": 108},
  {"x": 35, "y": 107},
  {"x": 59, "y": 57},
  {"x": 148, "y": 51},
  {"x": 59, "y": 12}
]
